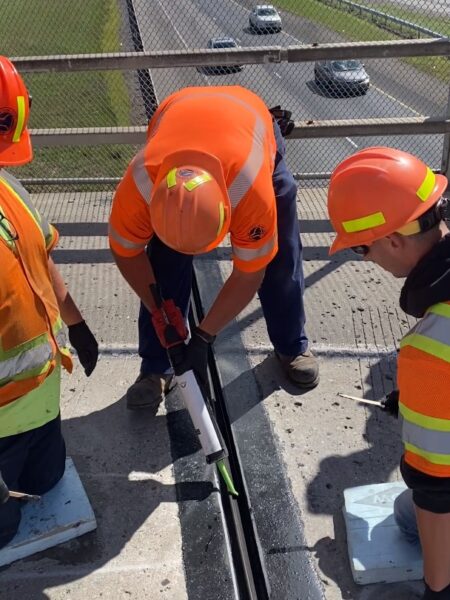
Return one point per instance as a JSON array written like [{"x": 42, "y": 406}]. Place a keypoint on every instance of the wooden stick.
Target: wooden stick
[{"x": 374, "y": 402}]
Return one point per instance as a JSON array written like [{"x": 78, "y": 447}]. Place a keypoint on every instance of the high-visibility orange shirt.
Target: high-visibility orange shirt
[{"x": 231, "y": 123}]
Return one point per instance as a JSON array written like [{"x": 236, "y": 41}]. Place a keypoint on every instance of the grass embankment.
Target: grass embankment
[
  {"x": 358, "y": 29},
  {"x": 77, "y": 99}
]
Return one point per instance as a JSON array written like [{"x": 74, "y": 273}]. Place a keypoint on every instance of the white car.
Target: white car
[{"x": 265, "y": 18}]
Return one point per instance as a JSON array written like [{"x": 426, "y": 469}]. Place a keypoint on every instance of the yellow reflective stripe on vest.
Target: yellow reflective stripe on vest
[
  {"x": 423, "y": 420},
  {"x": 363, "y": 223},
  {"x": 440, "y": 309},
  {"x": 431, "y": 334},
  {"x": 22, "y": 196},
  {"x": 27, "y": 364},
  {"x": 427, "y": 440},
  {"x": 432, "y": 457},
  {"x": 427, "y": 185},
  {"x": 249, "y": 254}
]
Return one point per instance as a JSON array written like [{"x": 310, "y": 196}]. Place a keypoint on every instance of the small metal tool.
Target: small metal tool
[{"x": 364, "y": 400}]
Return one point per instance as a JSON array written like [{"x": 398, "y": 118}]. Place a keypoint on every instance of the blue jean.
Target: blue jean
[
  {"x": 281, "y": 292},
  {"x": 32, "y": 462},
  {"x": 405, "y": 516}
]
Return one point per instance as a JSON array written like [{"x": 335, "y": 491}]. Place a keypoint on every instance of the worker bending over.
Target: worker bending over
[{"x": 213, "y": 164}]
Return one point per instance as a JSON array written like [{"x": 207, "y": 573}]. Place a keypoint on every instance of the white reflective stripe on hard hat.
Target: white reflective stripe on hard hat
[
  {"x": 123, "y": 241},
  {"x": 249, "y": 254},
  {"x": 250, "y": 169},
  {"x": 26, "y": 361},
  {"x": 141, "y": 177}
]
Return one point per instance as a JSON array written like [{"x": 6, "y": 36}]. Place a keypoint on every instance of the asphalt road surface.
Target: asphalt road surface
[{"x": 397, "y": 90}]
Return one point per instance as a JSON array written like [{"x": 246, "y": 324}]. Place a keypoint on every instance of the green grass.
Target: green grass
[
  {"x": 358, "y": 29},
  {"x": 70, "y": 99}
]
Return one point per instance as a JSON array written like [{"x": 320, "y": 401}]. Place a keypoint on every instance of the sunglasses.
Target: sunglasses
[
  {"x": 361, "y": 250},
  {"x": 8, "y": 120}
]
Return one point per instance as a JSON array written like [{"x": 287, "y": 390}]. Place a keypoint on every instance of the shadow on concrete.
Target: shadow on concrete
[
  {"x": 374, "y": 464},
  {"x": 116, "y": 454}
]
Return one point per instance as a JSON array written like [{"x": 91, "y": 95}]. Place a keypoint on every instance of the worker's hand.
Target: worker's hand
[
  {"x": 4, "y": 492},
  {"x": 84, "y": 342},
  {"x": 196, "y": 354},
  {"x": 390, "y": 403},
  {"x": 283, "y": 118}
]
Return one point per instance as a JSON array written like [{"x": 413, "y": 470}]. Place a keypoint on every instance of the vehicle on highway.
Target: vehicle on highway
[
  {"x": 342, "y": 77},
  {"x": 216, "y": 43},
  {"x": 265, "y": 18}
]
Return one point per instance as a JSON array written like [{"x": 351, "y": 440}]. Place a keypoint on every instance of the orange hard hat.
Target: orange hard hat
[
  {"x": 189, "y": 208},
  {"x": 377, "y": 191},
  {"x": 15, "y": 143}
]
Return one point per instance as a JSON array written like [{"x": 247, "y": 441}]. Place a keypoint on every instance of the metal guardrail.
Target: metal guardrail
[
  {"x": 92, "y": 136},
  {"x": 377, "y": 15},
  {"x": 243, "y": 56}
]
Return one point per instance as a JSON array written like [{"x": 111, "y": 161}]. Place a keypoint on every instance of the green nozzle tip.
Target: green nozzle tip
[{"x": 227, "y": 478}]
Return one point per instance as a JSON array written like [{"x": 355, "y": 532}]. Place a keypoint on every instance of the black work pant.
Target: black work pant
[{"x": 32, "y": 462}]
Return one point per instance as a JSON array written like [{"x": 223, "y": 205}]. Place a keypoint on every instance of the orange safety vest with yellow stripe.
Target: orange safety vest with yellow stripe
[
  {"x": 424, "y": 384},
  {"x": 31, "y": 331}
]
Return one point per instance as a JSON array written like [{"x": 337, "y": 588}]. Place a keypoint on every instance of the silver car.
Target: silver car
[
  {"x": 341, "y": 77},
  {"x": 265, "y": 18}
]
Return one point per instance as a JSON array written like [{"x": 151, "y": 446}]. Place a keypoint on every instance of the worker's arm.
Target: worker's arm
[
  {"x": 237, "y": 291},
  {"x": 70, "y": 313},
  {"x": 138, "y": 273},
  {"x": 434, "y": 532}
]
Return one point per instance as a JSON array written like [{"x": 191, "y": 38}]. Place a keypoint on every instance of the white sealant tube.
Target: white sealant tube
[{"x": 201, "y": 418}]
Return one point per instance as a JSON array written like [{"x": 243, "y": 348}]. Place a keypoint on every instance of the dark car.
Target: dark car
[
  {"x": 216, "y": 43},
  {"x": 342, "y": 77}
]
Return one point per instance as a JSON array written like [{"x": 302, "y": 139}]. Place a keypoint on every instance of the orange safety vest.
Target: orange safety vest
[
  {"x": 31, "y": 334},
  {"x": 424, "y": 385},
  {"x": 231, "y": 123}
]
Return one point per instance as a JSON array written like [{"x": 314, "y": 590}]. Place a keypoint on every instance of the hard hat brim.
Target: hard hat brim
[{"x": 14, "y": 154}]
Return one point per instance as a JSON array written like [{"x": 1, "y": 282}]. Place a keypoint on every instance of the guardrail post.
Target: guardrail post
[{"x": 446, "y": 149}]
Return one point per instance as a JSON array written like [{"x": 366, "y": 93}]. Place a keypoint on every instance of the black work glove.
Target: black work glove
[
  {"x": 84, "y": 342},
  {"x": 390, "y": 403},
  {"x": 4, "y": 492},
  {"x": 196, "y": 354},
  {"x": 283, "y": 118}
]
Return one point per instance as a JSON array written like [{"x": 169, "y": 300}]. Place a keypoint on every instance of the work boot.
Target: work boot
[
  {"x": 148, "y": 391},
  {"x": 303, "y": 369}
]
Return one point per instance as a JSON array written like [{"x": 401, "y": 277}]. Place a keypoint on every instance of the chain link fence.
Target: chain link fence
[{"x": 325, "y": 90}]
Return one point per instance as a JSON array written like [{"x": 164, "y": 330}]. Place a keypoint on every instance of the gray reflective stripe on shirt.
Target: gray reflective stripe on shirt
[
  {"x": 250, "y": 169},
  {"x": 26, "y": 361},
  {"x": 123, "y": 241},
  {"x": 429, "y": 440},
  {"x": 61, "y": 339},
  {"x": 433, "y": 326},
  {"x": 141, "y": 177},
  {"x": 248, "y": 254}
]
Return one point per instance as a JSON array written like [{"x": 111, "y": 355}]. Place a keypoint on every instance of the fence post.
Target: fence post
[{"x": 445, "y": 167}]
